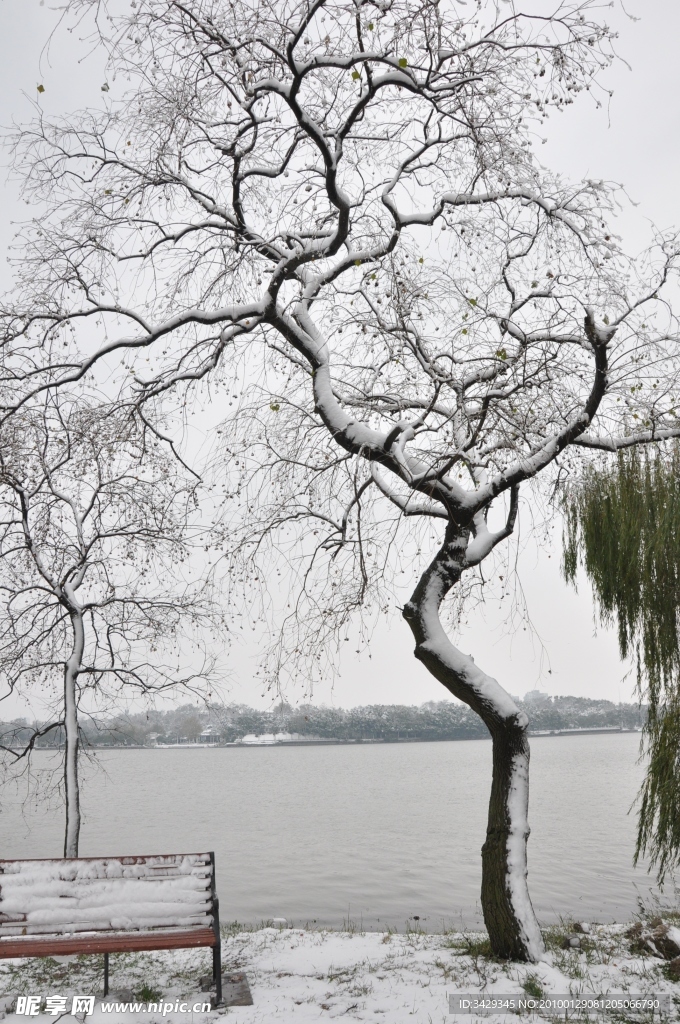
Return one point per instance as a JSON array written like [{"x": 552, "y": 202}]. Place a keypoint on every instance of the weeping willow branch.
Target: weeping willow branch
[{"x": 622, "y": 523}]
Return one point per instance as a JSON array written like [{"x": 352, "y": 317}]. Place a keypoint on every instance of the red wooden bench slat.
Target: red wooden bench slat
[{"x": 65, "y": 945}]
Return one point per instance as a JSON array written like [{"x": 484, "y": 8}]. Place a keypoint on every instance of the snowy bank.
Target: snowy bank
[{"x": 297, "y": 975}]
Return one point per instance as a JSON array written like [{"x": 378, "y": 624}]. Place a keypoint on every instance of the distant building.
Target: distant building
[
  {"x": 271, "y": 739},
  {"x": 209, "y": 736},
  {"x": 536, "y": 697}
]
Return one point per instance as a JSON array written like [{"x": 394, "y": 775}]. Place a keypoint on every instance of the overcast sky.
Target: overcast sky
[{"x": 633, "y": 142}]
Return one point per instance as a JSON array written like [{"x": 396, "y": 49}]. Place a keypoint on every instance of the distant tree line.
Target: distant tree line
[{"x": 391, "y": 723}]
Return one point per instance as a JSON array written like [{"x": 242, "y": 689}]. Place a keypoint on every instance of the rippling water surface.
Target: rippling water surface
[{"x": 374, "y": 833}]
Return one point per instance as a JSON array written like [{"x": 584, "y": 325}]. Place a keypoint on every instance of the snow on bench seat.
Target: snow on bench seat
[
  {"x": 50, "y": 898},
  {"x": 110, "y": 905}
]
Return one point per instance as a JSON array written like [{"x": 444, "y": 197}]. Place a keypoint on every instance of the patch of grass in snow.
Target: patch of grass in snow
[
  {"x": 351, "y": 927},
  {"x": 670, "y": 975},
  {"x": 569, "y": 962},
  {"x": 343, "y": 974},
  {"x": 554, "y": 936},
  {"x": 449, "y": 971},
  {"x": 350, "y": 978},
  {"x": 148, "y": 994},
  {"x": 413, "y": 927},
  {"x": 23, "y": 977},
  {"x": 238, "y": 928},
  {"x": 590, "y": 949},
  {"x": 645, "y": 972},
  {"x": 604, "y": 946},
  {"x": 475, "y": 964},
  {"x": 591, "y": 944},
  {"x": 532, "y": 986},
  {"x": 470, "y": 945},
  {"x": 655, "y": 910},
  {"x": 360, "y": 988}
]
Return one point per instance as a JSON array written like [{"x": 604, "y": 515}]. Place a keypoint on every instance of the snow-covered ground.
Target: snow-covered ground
[{"x": 300, "y": 976}]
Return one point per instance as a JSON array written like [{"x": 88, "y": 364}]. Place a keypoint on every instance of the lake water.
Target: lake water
[{"x": 375, "y": 834}]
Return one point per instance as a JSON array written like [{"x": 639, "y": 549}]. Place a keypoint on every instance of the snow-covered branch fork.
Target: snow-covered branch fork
[{"x": 327, "y": 221}]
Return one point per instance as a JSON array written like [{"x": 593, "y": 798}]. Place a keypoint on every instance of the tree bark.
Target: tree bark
[
  {"x": 508, "y": 914},
  {"x": 506, "y": 903},
  {"x": 72, "y": 742}
]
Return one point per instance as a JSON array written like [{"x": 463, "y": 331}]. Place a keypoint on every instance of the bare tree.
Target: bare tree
[
  {"x": 344, "y": 196},
  {"x": 95, "y": 521}
]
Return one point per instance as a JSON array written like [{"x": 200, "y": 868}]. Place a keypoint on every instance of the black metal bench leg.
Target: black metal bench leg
[
  {"x": 217, "y": 972},
  {"x": 106, "y": 974},
  {"x": 217, "y": 948}
]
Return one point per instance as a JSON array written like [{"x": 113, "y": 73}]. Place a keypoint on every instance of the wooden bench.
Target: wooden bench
[{"x": 110, "y": 905}]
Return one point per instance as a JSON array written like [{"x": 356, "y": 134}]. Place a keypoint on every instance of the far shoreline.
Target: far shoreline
[{"x": 321, "y": 742}]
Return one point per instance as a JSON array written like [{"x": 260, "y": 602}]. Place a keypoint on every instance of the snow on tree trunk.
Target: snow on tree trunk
[
  {"x": 508, "y": 913},
  {"x": 71, "y": 785}
]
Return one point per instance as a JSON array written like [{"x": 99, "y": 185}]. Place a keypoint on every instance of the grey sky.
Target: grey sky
[{"x": 634, "y": 142}]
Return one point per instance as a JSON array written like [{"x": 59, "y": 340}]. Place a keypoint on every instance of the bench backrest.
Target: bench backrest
[{"x": 104, "y": 894}]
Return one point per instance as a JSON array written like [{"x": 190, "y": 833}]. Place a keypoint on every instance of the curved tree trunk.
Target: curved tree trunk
[
  {"x": 71, "y": 783},
  {"x": 71, "y": 787},
  {"x": 508, "y": 913}
]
